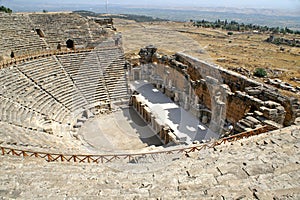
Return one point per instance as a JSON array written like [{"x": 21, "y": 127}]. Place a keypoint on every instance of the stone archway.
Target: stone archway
[{"x": 70, "y": 44}]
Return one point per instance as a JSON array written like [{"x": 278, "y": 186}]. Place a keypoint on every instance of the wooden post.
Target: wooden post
[{"x": 166, "y": 135}]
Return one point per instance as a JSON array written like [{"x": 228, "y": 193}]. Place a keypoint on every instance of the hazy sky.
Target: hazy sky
[
  {"x": 285, "y": 4},
  {"x": 33, "y": 5},
  {"x": 227, "y": 3}
]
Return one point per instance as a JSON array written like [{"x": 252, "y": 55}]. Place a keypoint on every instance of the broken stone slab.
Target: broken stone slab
[
  {"x": 253, "y": 90},
  {"x": 258, "y": 113},
  {"x": 256, "y": 169},
  {"x": 246, "y": 123},
  {"x": 280, "y": 109},
  {"x": 233, "y": 168},
  {"x": 78, "y": 125},
  {"x": 268, "y": 112},
  {"x": 275, "y": 82},
  {"x": 263, "y": 195},
  {"x": 258, "y": 126},
  {"x": 240, "y": 94},
  {"x": 286, "y": 86},
  {"x": 250, "y": 114},
  {"x": 271, "y": 104},
  {"x": 211, "y": 80},
  {"x": 226, "y": 88},
  {"x": 239, "y": 127},
  {"x": 253, "y": 120},
  {"x": 48, "y": 130},
  {"x": 258, "y": 102},
  {"x": 226, "y": 178},
  {"x": 221, "y": 59},
  {"x": 272, "y": 123}
]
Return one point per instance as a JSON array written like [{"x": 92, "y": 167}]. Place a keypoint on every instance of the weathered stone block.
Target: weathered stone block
[
  {"x": 253, "y": 120},
  {"x": 258, "y": 113},
  {"x": 257, "y": 169},
  {"x": 271, "y": 104},
  {"x": 211, "y": 80}
]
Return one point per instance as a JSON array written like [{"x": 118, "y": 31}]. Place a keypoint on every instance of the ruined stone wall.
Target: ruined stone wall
[
  {"x": 216, "y": 95},
  {"x": 163, "y": 131},
  {"x": 236, "y": 108},
  {"x": 203, "y": 93},
  {"x": 237, "y": 82},
  {"x": 170, "y": 76},
  {"x": 197, "y": 73}
]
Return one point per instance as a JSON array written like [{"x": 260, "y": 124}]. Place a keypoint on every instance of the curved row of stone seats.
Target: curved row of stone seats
[
  {"x": 24, "y": 91},
  {"x": 260, "y": 167},
  {"x": 97, "y": 33},
  {"x": 45, "y": 93},
  {"x": 51, "y": 77},
  {"x": 113, "y": 62},
  {"x": 19, "y": 137},
  {"x": 19, "y": 115},
  {"x": 59, "y": 27},
  {"x": 98, "y": 74},
  {"x": 86, "y": 72},
  {"x": 18, "y": 36},
  {"x": 63, "y": 86}
]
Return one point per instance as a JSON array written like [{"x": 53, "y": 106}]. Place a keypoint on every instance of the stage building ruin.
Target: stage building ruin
[{"x": 220, "y": 98}]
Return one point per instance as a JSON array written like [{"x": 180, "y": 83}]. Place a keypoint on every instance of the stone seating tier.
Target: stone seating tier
[
  {"x": 260, "y": 167},
  {"x": 47, "y": 93}
]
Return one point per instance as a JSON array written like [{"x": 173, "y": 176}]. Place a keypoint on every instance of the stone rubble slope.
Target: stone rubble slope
[{"x": 260, "y": 167}]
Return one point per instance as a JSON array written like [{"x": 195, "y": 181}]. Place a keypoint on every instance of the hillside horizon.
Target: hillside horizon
[{"x": 287, "y": 16}]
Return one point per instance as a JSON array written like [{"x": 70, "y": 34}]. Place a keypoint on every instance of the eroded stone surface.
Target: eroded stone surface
[{"x": 245, "y": 169}]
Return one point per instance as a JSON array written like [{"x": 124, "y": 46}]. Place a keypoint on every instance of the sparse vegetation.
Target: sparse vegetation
[
  {"x": 246, "y": 50},
  {"x": 235, "y": 26},
  {"x": 260, "y": 72},
  {"x": 284, "y": 41},
  {"x": 4, "y": 9},
  {"x": 138, "y": 18}
]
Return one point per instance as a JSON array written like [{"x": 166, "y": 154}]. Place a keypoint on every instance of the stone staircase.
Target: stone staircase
[{"x": 260, "y": 167}]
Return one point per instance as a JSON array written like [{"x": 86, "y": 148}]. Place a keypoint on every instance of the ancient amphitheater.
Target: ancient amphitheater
[{"x": 78, "y": 121}]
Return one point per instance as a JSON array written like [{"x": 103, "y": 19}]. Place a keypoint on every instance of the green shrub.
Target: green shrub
[
  {"x": 4, "y": 9},
  {"x": 230, "y": 33},
  {"x": 260, "y": 72}
]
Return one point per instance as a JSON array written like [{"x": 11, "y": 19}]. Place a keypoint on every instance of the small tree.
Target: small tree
[
  {"x": 4, "y": 9},
  {"x": 260, "y": 72}
]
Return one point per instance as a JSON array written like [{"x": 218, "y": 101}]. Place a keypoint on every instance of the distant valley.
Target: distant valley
[{"x": 269, "y": 17}]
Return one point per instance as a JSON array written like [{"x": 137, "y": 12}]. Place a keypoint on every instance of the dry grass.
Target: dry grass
[{"x": 239, "y": 50}]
